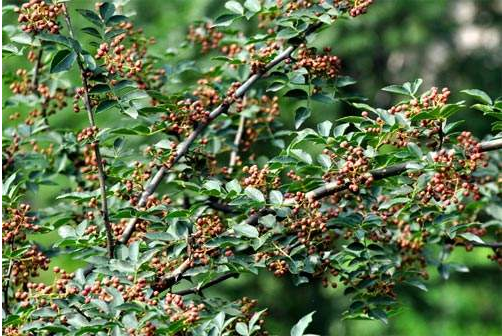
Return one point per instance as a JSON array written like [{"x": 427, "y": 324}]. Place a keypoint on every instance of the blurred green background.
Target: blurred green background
[{"x": 453, "y": 43}]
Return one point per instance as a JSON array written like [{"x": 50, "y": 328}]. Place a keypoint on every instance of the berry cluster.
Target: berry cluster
[
  {"x": 260, "y": 58},
  {"x": 87, "y": 133},
  {"x": 17, "y": 223},
  {"x": 188, "y": 113},
  {"x": 23, "y": 85},
  {"x": 118, "y": 59},
  {"x": 430, "y": 99},
  {"x": 37, "y": 16},
  {"x": 324, "y": 66},
  {"x": 355, "y": 168},
  {"x": 178, "y": 310},
  {"x": 449, "y": 179},
  {"x": 206, "y": 36},
  {"x": 89, "y": 165},
  {"x": 278, "y": 267},
  {"x": 308, "y": 222},
  {"x": 29, "y": 265},
  {"x": 207, "y": 227},
  {"x": 258, "y": 178}
]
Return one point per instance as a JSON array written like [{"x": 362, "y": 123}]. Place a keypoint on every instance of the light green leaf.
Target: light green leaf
[
  {"x": 299, "y": 328},
  {"x": 235, "y": 7}
]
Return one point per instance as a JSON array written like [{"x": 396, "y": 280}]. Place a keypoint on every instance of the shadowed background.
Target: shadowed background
[{"x": 447, "y": 43}]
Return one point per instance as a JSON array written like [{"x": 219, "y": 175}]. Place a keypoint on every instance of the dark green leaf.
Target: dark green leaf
[
  {"x": 63, "y": 60},
  {"x": 301, "y": 114}
]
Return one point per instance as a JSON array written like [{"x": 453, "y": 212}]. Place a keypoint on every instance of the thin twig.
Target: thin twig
[
  {"x": 5, "y": 303},
  {"x": 95, "y": 145},
  {"x": 36, "y": 69},
  {"x": 222, "y": 108},
  {"x": 237, "y": 141}
]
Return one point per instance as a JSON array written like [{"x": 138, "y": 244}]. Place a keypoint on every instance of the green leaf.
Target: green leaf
[
  {"x": 378, "y": 314},
  {"x": 324, "y": 128},
  {"x": 235, "y": 7},
  {"x": 297, "y": 94},
  {"x": 254, "y": 194},
  {"x": 301, "y": 155},
  {"x": 415, "y": 150},
  {"x": 276, "y": 197},
  {"x": 91, "y": 17},
  {"x": 246, "y": 230},
  {"x": 212, "y": 185},
  {"x": 355, "y": 246},
  {"x": 253, "y": 5},
  {"x": 300, "y": 327},
  {"x": 472, "y": 237},
  {"x": 105, "y": 105},
  {"x": 56, "y": 38},
  {"x": 387, "y": 204},
  {"x": 242, "y": 329},
  {"x": 116, "y": 19},
  {"x": 234, "y": 186},
  {"x": 66, "y": 231},
  {"x": 417, "y": 283},
  {"x": 301, "y": 114},
  {"x": 164, "y": 144},
  {"x": 91, "y": 31},
  {"x": 340, "y": 129},
  {"x": 63, "y": 60},
  {"x": 106, "y": 10},
  {"x": 450, "y": 109},
  {"x": 225, "y": 20},
  {"x": 479, "y": 95},
  {"x": 397, "y": 89},
  {"x": 287, "y": 33},
  {"x": 324, "y": 160}
]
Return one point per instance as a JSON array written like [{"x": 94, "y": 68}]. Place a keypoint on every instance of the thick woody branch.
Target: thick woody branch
[
  {"x": 183, "y": 148},
  {"x": 318, "y": 193},
  {"x": 95, "y": 145},
  {"x": 394, "y": 170}
]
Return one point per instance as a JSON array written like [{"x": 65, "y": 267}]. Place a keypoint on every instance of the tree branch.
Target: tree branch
[
  {"x": 394, "y": 170},
  {"x": 95, "y": 144},
  {"x": 237, "y": 141},
  {"x": 36, "y": 70},
  {"x": 222, "y": 108}
]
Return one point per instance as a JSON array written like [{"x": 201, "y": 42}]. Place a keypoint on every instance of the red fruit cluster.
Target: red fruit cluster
[
  {"x": 29, "y": 265},
  {"x": 324, "y": 66},
  {"x": 260, "y": 58},
  {"x": 258, "y": 178},
  {"x": 178, "y": 310},
  {"x": 17, "y": 223},
  {"x": 87, "y": 133},
  {"x": 37, "y": 16},
  {"x": 359, "y": 7},
  {"x": 449, "y": 179},
  {"x": 117, "y": 58},
  {"x": 207, "y": 36},
  {"x": 278, "y": 267},
  {"x": 355, "y": 169},
  {"x": 432, "y": 98},
  {"x": 23, "y": 85},
  {"x": 207, "y": 227}
]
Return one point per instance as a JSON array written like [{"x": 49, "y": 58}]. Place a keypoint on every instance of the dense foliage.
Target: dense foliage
[{"x": 171, "y": 198}]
